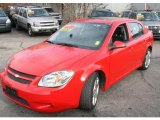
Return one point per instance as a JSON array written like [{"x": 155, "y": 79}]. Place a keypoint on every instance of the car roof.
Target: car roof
[
  {"x": 127, "y": 11},
  {"x": 105, "y": 20},
  {"x": 144, "y": 11},
  {"x": 31, "y": 7},
  {"x": 27, "y": 8},
  {"x": 46, "y": 7},
  {"x": 105, "y": 10}
]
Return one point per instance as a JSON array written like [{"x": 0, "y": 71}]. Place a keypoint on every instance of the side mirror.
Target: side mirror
[{"x": 118, "y": 44}]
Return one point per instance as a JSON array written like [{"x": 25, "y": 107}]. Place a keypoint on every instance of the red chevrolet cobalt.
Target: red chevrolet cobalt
[{"x": 68, "y": 69}]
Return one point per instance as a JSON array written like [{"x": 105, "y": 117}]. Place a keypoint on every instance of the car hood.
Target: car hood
[
  {"x": 42, "y": 19},
  {"x": 54, "y": 14},
  {"x": 3, "y": 19},
  {"x": 44, "y": 58},
  {"x": 151, "y": 23}
]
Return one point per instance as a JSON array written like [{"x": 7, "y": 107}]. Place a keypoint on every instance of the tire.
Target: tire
[
  {"x": 146, "y": 61},
  {"x": 30, "y": 32},
  {"x": 17, "y": 26},
  {"x": 9, "y": 30},
  {"x": 90, "y": 92}
]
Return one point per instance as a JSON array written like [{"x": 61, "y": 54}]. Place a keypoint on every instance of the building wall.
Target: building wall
[{"x": 141, "y": 6}]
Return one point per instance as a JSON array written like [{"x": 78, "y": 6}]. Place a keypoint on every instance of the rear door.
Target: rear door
[{"x": 138, "y": 42}]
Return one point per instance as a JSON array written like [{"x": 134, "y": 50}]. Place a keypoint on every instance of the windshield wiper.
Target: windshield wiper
[
  {"x": 49, "y": 42},
  {"x": 65, "y": 44}
]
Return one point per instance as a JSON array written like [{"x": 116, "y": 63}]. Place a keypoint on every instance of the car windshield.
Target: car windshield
[
  {"x": 102, "y": 14},
  {"x": 2, "y": 14},
  {"x": 82, "y": 35},
  {"x": 158, "y": 13},
  {"x": 49, "y": 9},
  {"x": 37, "y": 13},
  {"x": 147, "y": 16}
]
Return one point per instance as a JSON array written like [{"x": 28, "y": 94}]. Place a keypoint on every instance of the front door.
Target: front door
[{"x": 121, "y": 59}]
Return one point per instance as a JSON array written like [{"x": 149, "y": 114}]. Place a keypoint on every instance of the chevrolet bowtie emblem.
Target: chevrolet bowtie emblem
[{"x": 17, "y": 76}]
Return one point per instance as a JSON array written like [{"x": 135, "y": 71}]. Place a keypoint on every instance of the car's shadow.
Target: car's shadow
[{"x": 25, "y": 32}]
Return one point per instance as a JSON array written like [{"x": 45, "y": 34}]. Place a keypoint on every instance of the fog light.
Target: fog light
[{"x": 43, "y": 105}]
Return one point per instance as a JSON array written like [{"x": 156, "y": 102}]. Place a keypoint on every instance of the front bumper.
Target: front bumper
[
  {"x": 156, "y": 35},
  {"x": 45, "y": 29},
  {"x": 5, "y": 27},
  {"x": 43, "y": 99}
]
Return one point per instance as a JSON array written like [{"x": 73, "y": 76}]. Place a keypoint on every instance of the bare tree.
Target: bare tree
[{"x": 72, "y": 11}]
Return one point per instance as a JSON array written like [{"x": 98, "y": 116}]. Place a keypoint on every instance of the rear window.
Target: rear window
[
  {"x": 125, "y": 14},
  {"x": 49, "y": 9},
  {"x": 102, "y": 14}
]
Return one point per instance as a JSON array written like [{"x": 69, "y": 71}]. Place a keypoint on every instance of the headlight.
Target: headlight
[
  {"x": 60, "y": 16},
  {"x": 56, "y": 22},
  {"x": 56, "y": 79},
  {"x": 8, "y": 21},
  {"x": 35, "y": 24},
  {"x": 146, "y": 26}
]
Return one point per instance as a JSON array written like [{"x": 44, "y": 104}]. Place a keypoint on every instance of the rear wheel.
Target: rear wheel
[
  {"x": 147, "y": 60},
  {"x": 90, "y": 93}
]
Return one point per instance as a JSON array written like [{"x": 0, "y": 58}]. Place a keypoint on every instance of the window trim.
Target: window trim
[{"x": 127, "y": 34}]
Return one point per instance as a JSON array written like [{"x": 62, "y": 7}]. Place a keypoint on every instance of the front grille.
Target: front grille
[
  {"x": 47, "y": 25},
  {"x": 22, "y": 74},
  {"x": 46, "y": 22},
  {"x": 2, "y": 21},
  {"x": 154, "y": 27},
  {"x": 3, "y": 25},
  {"x": 57, "y": 17},
  {"x": 17, "y": 79},
  {"x": 12, "y": 93}
]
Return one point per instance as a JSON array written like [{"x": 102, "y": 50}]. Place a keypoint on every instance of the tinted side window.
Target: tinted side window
[
  {"x": 25, "y": 14},
  {"x": 20, "y": 13},
  {"x": 136, "y": 29}
]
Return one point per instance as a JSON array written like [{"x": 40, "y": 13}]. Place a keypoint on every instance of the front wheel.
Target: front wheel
[
  {"x": 30, "y": 32},
  {"x": 10, "y": 30},
  {"x": 147, "y": 60},
  {"x": 90, "y": 93},
  {"x": 17, "y": 26}
]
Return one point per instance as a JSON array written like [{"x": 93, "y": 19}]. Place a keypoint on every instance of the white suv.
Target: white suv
[{"x": 36, "y": 20}]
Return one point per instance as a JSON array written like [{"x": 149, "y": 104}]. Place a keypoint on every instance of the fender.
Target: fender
[
  {"x": 1, "y": 75},
  {"x": 89, "y": 70}
]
